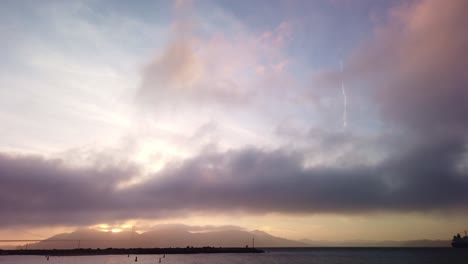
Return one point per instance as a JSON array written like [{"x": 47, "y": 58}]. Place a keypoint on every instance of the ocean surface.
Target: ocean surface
[{"x": 273, "y": 256}]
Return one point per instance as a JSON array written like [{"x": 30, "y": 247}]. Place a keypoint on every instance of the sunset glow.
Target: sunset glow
[{"x": 320, "y": 120}]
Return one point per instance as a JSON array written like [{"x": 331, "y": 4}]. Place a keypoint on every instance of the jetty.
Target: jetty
[{"x": 129, "y": 251}]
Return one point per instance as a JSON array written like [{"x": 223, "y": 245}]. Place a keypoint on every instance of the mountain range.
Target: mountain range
[
  {"x": 180, "y": 236},
  {"x": 163, "y": 238}
]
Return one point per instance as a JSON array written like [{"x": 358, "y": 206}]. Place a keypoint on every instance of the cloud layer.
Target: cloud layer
[
  {"x": 412, "y": 72},
  {"x": 37, "y": 191}
]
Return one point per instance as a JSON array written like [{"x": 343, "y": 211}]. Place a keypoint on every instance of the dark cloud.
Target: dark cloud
[
  {"x": 40, "y": 191},
  {"x": 260, "y": 182},
  {"x": 37, "y": 191}
]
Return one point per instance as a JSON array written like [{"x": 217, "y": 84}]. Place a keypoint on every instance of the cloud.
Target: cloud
[
  {"x": 178, "y": 67},
  {"x": 413, "y": 67},
  {"x": 413, "y": 72},
  {"x": 181, "y": 71},
  {"x": 39, "y": 191},
  {"x": 36, "y": 191},
  {"x": 196, "y": 228},
  {"x": 221, "y": 66}
]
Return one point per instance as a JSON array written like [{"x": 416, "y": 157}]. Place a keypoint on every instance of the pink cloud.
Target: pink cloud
[
  {"x": 225, "y": 67},
  {"x": 414, "y": 65},
  {"x": 278, "y": 37}
]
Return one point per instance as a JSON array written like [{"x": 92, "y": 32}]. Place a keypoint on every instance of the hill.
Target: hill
[{"x": 170, "y": 236}]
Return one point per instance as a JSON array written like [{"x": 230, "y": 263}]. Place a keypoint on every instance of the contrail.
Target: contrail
[{"x": 345, "y": 99}]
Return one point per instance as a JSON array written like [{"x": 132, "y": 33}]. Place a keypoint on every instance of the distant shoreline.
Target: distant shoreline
[{"x": 127, "y": 251}]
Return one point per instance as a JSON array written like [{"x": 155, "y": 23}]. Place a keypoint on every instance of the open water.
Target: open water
[{"x": 272, "y": 256}]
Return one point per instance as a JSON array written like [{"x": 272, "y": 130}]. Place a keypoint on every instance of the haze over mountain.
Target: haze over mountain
[
  {"x": 168, "y": 236},
  {"x": 165, "y": 236}
]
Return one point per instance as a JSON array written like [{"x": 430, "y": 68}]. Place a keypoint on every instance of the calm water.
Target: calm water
[{"x": 273, "y": 256}]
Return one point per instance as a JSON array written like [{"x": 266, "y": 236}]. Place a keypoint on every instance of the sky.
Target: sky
[{"x": 322, "y": 120}]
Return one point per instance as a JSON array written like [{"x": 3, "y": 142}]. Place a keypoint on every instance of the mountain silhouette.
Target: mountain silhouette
[{"x": 163, "y": 237}]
